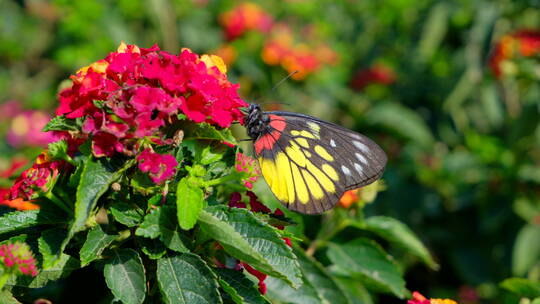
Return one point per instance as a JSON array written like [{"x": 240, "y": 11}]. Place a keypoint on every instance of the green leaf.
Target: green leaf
[
  {"x": 65, "y": 265},
  {"x": 58, "y": 150},
  {"x": 399, "y": 234},
  {"x": 7, "y": 298},
  {"x": 354, "y": 290},
  {"x": 161, "y": 222},
  {"x": 189, "y": 203},
  {"x": 50, "y": 246},
  {"x": 279, "y": 290},
  {"x": 208, "y": 156},
  {"x": 126, "y": 214},
  {"x": 526, "y": 251},
  {"x": 240, "y": 288},
  {"x": 250, "y": 240},
  {"x": 96, "y": 178},
  {"x": 154, "y": 249},
  {"x": 320, "y": 279},
  {"x": 186, "y": 279},
  {"x": 209, "y": 132},
  {"x": 96, "y": 241},
  {"x": 536, "y": 301},
  {"x": 17, "y": 220},
  {"x": 124, "y": 275},
  {"x": 150, "y": 226},
  {"x": 364, "y": 259},
  {"x": 411, "y": 125},
  {"x": 61, "y": 123},
  {"x": 522, "y": 287}
]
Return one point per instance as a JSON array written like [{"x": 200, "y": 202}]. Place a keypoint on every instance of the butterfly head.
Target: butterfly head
[{"x": 256, "y": 121}]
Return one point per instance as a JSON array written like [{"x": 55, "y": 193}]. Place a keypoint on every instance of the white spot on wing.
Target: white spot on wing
[
  {"x": 358, "y": 167},
  {"x": 361, "y": 158},
  {"x": 345, "y": 170},
  {"x": 332, "y": 143},
  {"x": 360, "y": 146}
]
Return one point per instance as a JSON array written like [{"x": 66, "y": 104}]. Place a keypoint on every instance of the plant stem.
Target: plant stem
[
  {"x": 58, "y": 202},
  {"x": 220, "y": 180}
]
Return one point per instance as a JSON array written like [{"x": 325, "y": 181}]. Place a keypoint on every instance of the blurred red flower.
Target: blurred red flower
[
  {"x": 420, "y": 299},
  {"x": 524, "y": 43},
  {"x": 17, "y": 258},
  {"x": 378, "y": 73},
  {"x": 245, "y": 17}
]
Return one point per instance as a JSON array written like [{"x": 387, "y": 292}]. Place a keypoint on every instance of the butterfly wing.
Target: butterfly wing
[{"x": 309, "y": 163}]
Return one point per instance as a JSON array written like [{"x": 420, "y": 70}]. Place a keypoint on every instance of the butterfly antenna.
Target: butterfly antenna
[{"x": 291, "y": 74}]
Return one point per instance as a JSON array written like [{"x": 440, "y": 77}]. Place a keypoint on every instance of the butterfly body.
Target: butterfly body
[{"x": 309, "y": 163}]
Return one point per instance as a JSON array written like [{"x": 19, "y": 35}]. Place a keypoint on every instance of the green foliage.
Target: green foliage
[{"x": 462, "y": 183}]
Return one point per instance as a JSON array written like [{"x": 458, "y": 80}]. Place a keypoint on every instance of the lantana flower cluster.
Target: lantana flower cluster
[
  {"x": 523, "y": 43},
  {"x": 250, "y": 166},
  {"x": 301, "y": 55},
  {"x": 245, "y": 17},
  {"x": 134, "y": 92},
  {"x": 17, "y": 258},
  {"x": 418, "y": 298}
]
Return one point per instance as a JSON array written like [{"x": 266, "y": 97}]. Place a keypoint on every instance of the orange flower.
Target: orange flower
[
  {"x": 245, "y": 17},
  {"x": 418, "y": 298},
  {"x": 350, "y": 197},
  {"x": 524, "y": 43},
  {"x": 364, "y": 195}
]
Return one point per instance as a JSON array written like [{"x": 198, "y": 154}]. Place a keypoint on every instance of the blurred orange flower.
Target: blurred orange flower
[
  {"x": 420, "y": 299},
  {"x": 365, "y": 194},
  {"x": 524, "y": 43},
  {"x": 245, "y": 17}
]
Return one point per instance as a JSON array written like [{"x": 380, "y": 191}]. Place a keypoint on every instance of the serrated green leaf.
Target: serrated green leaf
[
  {"x": 173, "y": 239},
  {"x": 189, "y": 203},
  {"x": 7, "y": 298},
  {"x": 320, "y": 279},
  {"x": 279, "y": 290},
  {"x": 526, "y": 250},
  {"x": 17, "y": 220},
  {"x": 250, "y": 240},
  {"x": 96, "y": 177},
  {"x": 124, "y": 275},
  {"x": 365, "y": 260},
  {"x": 354, "y": 290},
  {"x": 126, "y": 214},
  {"x": 96, "y": 241},
  {"x": 209, "y": 132},
  {"x": 50, "y": 246},
  {"x": 240, "y": 288},
  {"x": 186, "y": 279},
  {"x": 150, "y": 226},
  {"x": 154, "y": 249},
  {"x": 61, "y": 123},
  {"x": 399, "y": 234},
  {"x": 522, "y": 287},
  {"x": 65, "y": 265}
]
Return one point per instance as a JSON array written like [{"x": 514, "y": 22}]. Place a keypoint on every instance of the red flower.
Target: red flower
[
  {"x": 378, "y": 73},
  {"x": 245, "y": 17},
  {"x": 160, "y": 167},
  {"x": 17, "y": 258},
  {"x": 259, "y": 275},
  {"x": 38, "y": 178},
  {"x": 420, "y": 299},
  {"x": 134, "y": 93},
  {"x": 524, "y": 43},
  {"x": 25, "y": 130}
]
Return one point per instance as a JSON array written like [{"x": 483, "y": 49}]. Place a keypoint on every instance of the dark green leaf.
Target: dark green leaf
[
  {"x": 61, "y": 123},
  {"x": 150, "y": 226},
  {"x": 173, "y": 239},
  {"x": 354, "y": 290},
  {"x": 189, "y": 203},
  {"x": 250, "y": 240},
  {"x": 7, "y": 298},
  {"x": 126, "y": 214},
  {"x": 398, "y": 233},
  {"x": 208, "y": 156},
  {"x": 526, "y": 249},
  {"x": 96, "y": 178},
  {"x": 50, "y": 246},
  {"x": 154, "y": 249},
  {"x": 522, "y": 287},
  {"x": 17, "y": 220},
  {"x": 124, "y": 275},
  {"x": 365, "y": 260},
  {"x": 320, "y": 279},
  {"x": 186, "y": 279},
  {"x": 96, "y": 241},
  {"x": 65, "y": 265},
  {"x": 240, "y": 288},
  {"x": 206, "y": 131},
  {"x": 279, "y": 290}
]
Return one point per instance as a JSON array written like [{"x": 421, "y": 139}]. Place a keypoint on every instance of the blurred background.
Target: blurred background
[{"x": 449, "y": 89}]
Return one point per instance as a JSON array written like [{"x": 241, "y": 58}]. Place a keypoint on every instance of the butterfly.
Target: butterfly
[{"x": 309, "y": 163}]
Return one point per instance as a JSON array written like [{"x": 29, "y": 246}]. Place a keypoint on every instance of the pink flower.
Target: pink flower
[
  {"x": 18, "y": 258},
  {"x": 25, "y": 130},
  {"x": 160, "y": 167},
  {"x": 249, "y": 165}
]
